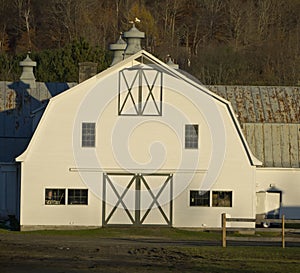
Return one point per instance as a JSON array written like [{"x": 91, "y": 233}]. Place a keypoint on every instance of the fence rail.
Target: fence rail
[{"x": 283, "y": 221}]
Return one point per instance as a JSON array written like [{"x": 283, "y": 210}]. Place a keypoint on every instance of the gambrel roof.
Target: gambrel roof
[
  {"x": 147, "y": 59},
  {"x": 270, "y": 118}
]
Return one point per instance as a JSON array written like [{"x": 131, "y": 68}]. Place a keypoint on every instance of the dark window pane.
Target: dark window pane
[
  {"x": 199, "y": 198},
  {"x": 222, "y": 199},
  {"x": 77, "y": 197},
  {"x": 191, "y": 136},
  {"x": 55, "y": 197},
  {"x": 88, "y": 134}
]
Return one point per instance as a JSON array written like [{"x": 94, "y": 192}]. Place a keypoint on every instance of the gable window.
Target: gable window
[
  {"x": 55, "y": 196},
  {"x": 199, "y": 198},
  {"x": 191, "y": 136},
  {"x": 222, "y": 198},
  {"x": 77, "y": 197},
  {"x": 88, "y": 134}
]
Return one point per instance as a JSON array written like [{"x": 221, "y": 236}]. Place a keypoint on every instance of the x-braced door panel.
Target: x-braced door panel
[
  {"x": 140, "y": 92},
  {"x": 137, "y": 199}
]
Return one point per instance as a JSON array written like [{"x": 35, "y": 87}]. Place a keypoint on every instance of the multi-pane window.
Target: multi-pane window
[
  {"x": 88, "y": 134},
  {"x": 222, "y": 198},
  {"x": 191, "y": 136},
  {"x": 55, "y": 196},
  {"x": 199, "y": 198},
  {"x": 77, "y": 197}
]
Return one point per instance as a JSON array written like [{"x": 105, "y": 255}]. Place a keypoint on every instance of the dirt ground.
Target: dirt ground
[
  {"x": 22, "y": 252},
  {"x": 39, "y": 253}
]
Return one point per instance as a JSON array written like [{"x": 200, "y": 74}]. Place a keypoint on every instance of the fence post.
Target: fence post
[
  {"x": 223, "y": 229},
  {"x": 283, "y": 231}
]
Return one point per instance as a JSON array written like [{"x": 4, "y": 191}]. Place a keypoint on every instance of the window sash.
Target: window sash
[
  {"x": 191, "y": 136},
  {"x": 222, "y": 198},
  {"x": 55, "y": 196},
  {"x": 88, "y": 134},
  {"x": 77, "y": 196},
  {"x": 199, "y": 199}
]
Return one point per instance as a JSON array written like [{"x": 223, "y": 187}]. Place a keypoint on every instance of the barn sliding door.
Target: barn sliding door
[{"x": 137, "y": 199}]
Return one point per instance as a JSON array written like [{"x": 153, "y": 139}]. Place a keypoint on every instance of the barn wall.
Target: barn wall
[
  {"x": 236, "y": 175},
  {"x": 47, "y": 166},
  {"x": 286, "y": 180}
]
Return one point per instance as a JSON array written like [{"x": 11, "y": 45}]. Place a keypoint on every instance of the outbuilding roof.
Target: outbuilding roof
[
  {"x": 263, "y": 104},
  {"x": 270, "y": 119}
]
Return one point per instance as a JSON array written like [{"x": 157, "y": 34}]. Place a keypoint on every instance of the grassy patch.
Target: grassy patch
[
  {"x": 3, "y": 226},
  {"x": 256, "y": 234},
  {"x": 179, "y": 258},
  {"x": 292, "y": 225},
  {"x": 132, "y": 232},
  {"x": 244, "y": 259}
]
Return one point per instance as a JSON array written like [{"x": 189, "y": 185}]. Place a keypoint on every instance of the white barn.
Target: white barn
[
  {"x": 138, "y": 144},
  {"x": 145, "y": 143}
]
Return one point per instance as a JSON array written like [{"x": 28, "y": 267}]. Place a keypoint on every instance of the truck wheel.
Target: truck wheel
[{"x": 265, "y": 224}]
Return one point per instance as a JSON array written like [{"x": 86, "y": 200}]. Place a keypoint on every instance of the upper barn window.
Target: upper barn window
[
  {"x": 88, "y": 134},
  {"x": 140, "y": 92},
  {"x": 191, "y": 136}
]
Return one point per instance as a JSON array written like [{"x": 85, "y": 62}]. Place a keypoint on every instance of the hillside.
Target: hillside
[{"x": 250, "y": 42}]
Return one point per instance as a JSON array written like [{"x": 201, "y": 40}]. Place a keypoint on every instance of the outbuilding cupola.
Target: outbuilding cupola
[
  {"x": 172, "y": 64},
  {"x": 118, "y": 50},
  {"x": 133, "y": 37},
  {"x": 27, "y": 75}
]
